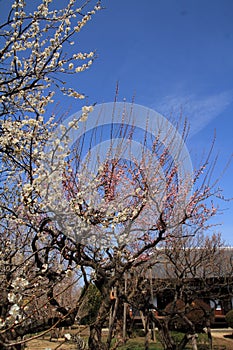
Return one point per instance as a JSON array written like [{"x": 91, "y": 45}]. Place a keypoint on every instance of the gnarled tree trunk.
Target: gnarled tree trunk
[{"x": 165, "y": 336}]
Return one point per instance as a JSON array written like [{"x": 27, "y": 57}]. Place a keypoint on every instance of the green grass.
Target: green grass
[{"x": 138, "y": 343}]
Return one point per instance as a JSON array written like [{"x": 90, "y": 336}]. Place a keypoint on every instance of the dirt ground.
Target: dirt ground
[
  {"x": 222, "y": 344},
  {"x": 221, "y": 341},
  {"x": 41, "y": 344},
  {"x": 60, "y": 343}
]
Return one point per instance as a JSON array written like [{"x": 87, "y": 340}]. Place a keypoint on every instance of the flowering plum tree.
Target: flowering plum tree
[
  {"x": 36, "y": 54},
  {"x": 123, "y": 212}
]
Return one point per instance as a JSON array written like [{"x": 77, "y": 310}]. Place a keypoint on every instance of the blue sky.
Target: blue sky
[{"x": 172, "y": 55}]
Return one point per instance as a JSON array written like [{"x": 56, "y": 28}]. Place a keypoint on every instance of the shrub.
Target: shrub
[
  {"x": 91, "y": 305},
  {"x": 229, "y": 318},
  {"x": 197, "y": 312}
]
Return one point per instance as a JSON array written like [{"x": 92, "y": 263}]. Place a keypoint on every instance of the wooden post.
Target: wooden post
[
  {"x": 152, "y": 299},
  {"x": 110, "y": 318},
  {"x": 125, "y": 311},
  {"x": 143, "y": 320}
]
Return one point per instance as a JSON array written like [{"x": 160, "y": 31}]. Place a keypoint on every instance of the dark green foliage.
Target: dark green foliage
[
  {"x": 229, "y": 318},
  {"x": 140, "y": 333},
  {"x": 92, "y": 304}
]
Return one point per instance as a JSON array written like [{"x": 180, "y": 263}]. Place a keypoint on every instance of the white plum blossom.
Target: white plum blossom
[
  {"x": 44, "y": 268},
  {"x": 69, "y": 273},
  {"x": 67, "y": 336},
  {"x": 14, "y": 310},
  {"x": 87, "y": 109},
  {"x": 19, "y": 283},
  {"x": 12, "y": 297}
]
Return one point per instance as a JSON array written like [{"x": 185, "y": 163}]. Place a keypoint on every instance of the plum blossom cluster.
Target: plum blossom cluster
[
  {"x": 38, "y": 46},
  {"x": 14, "y": 303}
]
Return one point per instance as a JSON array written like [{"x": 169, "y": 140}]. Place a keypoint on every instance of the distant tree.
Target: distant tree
[{"x": 187, "y": 274}]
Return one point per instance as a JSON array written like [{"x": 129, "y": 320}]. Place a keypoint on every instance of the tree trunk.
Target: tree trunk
[
  {"x": 10, "y": 338},
  {"x": 15, "y": 347},
  {"x": 147, "y": 333},
  {"x": 194, "y": 341},
  {"x": 112, "y": 323},
  {"x": 143, "y": 320},
  {"x": 208, "y": 331},
  {"x": 165, "y": 337},
  {"x": 95, "y": 338},
  {"x": 193, "y": 337},
  {"x": 183, "y": 342}
]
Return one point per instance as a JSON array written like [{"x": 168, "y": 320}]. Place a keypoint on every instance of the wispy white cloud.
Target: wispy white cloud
[{"x": 199, "y": 111}]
